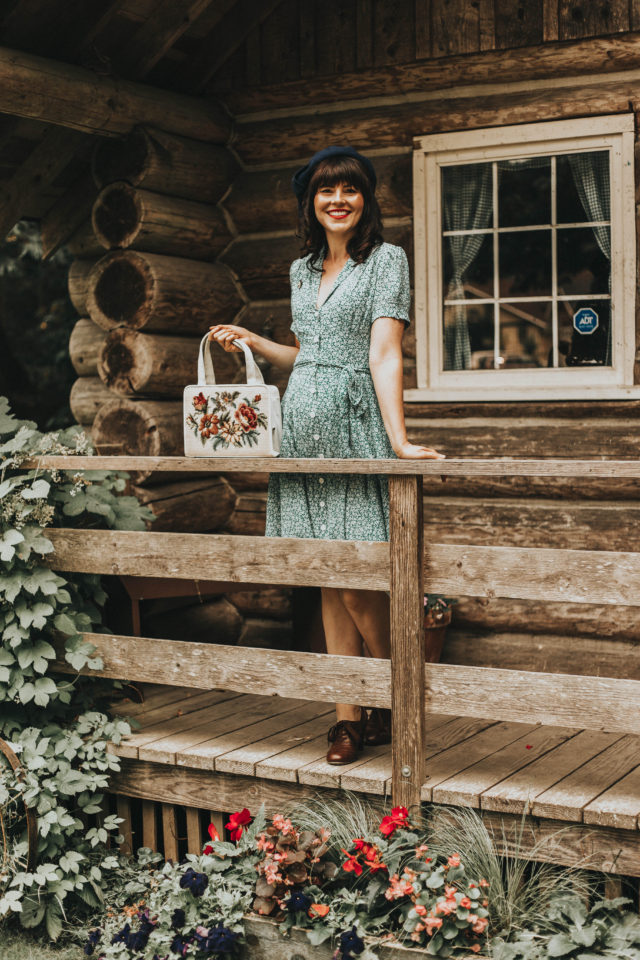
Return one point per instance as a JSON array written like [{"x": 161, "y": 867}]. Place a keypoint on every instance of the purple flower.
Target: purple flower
[
  {"x": 196, "y": 882},
  {"x": 90, "y": 945},
  {"x": 179, "y": 945},
  {"x": 350, "y": 943},
  {"x": 221, "y": 939},
  {"x": 178, "y": 919},
  {"x": 122, "y": 936},
  {"x": 297, "y": 902}
]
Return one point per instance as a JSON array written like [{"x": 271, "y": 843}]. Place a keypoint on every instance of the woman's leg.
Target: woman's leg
[
  {"x": 369, "y": 611},
  {"x": 342, "y": 638}
]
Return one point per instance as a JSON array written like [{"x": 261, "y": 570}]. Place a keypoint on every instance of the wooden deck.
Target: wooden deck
[{"x": 557, "y": 775}]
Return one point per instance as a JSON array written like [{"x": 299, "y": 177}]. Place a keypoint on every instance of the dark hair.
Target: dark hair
[{"x": 368, "y": 232}]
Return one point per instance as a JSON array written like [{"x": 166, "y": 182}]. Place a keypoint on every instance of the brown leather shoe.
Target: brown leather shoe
[
  {"x": 378, "y": 727},
  {"x": 347, "y": 740}
]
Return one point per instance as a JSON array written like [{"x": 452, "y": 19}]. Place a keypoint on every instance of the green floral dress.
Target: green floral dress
[{"x": 330, "y": 408}]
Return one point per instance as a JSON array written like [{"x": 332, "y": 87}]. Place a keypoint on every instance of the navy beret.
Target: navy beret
[{"x": 301, "y": 178}]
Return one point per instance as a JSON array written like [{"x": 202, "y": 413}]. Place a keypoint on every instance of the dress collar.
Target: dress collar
[{"x": 348, "y": 266}]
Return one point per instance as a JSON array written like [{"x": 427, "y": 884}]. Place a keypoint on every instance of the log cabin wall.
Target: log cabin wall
[{"x": 369, "y": 74}]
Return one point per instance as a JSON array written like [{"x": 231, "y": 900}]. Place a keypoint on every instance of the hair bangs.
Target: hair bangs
[{"x": 335, "y": 170}]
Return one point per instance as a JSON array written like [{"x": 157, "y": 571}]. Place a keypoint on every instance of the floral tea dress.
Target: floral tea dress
[{"x": 330, "y": 408}]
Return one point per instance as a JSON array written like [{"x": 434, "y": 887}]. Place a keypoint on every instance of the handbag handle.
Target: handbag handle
[{"x": 206, "y": 375}]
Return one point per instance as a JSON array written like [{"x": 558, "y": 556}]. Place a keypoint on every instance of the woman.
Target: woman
[{"x": 350, "y": 303}]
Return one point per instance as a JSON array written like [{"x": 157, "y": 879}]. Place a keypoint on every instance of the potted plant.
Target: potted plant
[{"x": 437, "y": 617}]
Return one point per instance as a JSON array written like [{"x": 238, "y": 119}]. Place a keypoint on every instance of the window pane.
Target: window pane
[
  {"x": 582, "y": 265},
  {"x": 525, "y": 263},
  {"x": 524, "y": 192},
  {"x": 476, "y": 323},
  {"x": 467, "y": 196},
  {"x": 583, "y": 187},
  {"x": 578, "y": 349},
  {"x": 477, "y": 279},
  {"x": 526, "y": 335}
]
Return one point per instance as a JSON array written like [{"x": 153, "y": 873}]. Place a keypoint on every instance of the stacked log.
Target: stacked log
[{"x": 148, "y": 280}]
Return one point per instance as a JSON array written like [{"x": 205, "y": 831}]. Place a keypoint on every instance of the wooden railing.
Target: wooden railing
[{"x": 405, "y": 568}]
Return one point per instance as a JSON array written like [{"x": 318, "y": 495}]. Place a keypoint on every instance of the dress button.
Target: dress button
[
  {"x": 320, "y": 479},
  {"x": 323, "y": 527},
  {"x": 316, "y": 436},
  {"x": 316, "y": 340},
  {"x": 311, "y": 414},
  {"x": 322, "y": 503}
]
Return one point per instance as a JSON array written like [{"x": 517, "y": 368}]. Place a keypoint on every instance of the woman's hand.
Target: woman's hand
[
  {"x": 414, "y": 451},
  {"x": 226, "y": 333}
]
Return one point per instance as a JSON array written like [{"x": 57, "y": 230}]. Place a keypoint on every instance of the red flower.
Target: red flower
[
  {"x": 236, "y": 822},
  {"x": 352, "y": 864},
  {"x": 397, "y": 819},
  {"x": 200, "y": 402},
  {"x": 466, "y": 903},
  {"x": 257, "y": 398},
  {"x": 318, "y": 910},
  {"x": 209, "y": 424},
  {"x": 213, "y": 833},
  {"x": 246, "y": 417}
]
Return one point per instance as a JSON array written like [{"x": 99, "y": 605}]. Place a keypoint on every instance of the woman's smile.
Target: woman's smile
[{"x": 338, "y": 205}]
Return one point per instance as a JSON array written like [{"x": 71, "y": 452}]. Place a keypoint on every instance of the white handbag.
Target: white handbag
[{"x": 231, "y": 419}]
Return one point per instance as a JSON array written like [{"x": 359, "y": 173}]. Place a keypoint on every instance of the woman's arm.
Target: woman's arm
[
  {"x": 277, "y": 354},
  {"x": 385, "y": 363}
]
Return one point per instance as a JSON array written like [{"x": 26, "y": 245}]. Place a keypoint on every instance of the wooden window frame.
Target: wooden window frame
[{"x": 615, "y": 133}]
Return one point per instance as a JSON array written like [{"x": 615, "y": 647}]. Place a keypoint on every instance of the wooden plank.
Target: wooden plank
[
  {"x": 170, "y": 832},
  {"x": 407, "y": 639},
  {"x": 536, "y": 697},
  {"x": 462, "y": 755},
  {"x": 123, "y": 811},
  {"x": 197, "y": 737},
  {"x": 454, "y": 467},
  {"x": 279, "y": 39},
  {"x": 290, "y": 561},
  {"x": 226, "y": 37},
  {"x": 619, "y": 806},
  {"x": 149, "y": 826},
  {"x": 323, "y": 774},
  {"x": 393, "y": 29},
  {"x": 244, "y": 759},
  {"x": 285, "y": 765},
  {"x": 195, "y": 700},
  {"x": 167, "y": 739},
  {"x": 364, "y": 33},
  {"x": 307, "y": 40},
  {"x": 203, "y": 788},
  {"x": 516, "y": 793},
  {"x": 570, "y": 576},
  {"x": 524, "y": 695},
  {"x": 155, "y": 695},
  {"x": 210, "y": 708},
  {"x": 194, "y": 836},
  {"x": 550, "y": 27},
  {"x": 535, "y": 63},
  {"x": 566, "y": 798},
  {"x": 582, "y": 18},
  {"x": 79, "y": 99},
  {"x": 465, "y": 788},
  {"x": 273, "y": 672},
  {"x": 519, "y": 23},
  {"x": 423, "y": 29}
]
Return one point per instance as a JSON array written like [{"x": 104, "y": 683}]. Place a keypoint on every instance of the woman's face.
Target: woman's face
[{"x": 339, "y": 208}]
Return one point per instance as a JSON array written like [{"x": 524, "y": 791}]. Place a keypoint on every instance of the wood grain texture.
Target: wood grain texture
[
  {"x": 583, "y": 18},
  {"x": 170, "y": 832},
  {"x": 274, "y": 672},
  {"x": 522, "y": 63},
  {"x": 467, "y": 467},
  {"x": 619, "y": 806},
  {"x": 202, "y": 788},
  {"x": 407, "y": 639},
  {"x": 535, "y": 697},
  {"x": 291, "y": 561},
  {"x": 80, "y": 99}
]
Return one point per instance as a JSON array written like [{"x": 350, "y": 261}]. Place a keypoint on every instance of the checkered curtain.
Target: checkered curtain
[
  {"x": 591, "y": 176},
  {"x": 468, "y": 203}
]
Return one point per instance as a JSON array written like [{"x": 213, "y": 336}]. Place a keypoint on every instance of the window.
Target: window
[{"x": 525, "y": 261}]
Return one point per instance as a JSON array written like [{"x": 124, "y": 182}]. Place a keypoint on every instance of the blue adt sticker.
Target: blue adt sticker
[{"x": 585, "y": 320}]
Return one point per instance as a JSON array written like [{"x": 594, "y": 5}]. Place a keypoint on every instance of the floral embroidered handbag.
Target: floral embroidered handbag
[{"x": 231, "y": 419}]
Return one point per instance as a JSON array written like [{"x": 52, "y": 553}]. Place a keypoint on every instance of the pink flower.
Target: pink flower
[
  {"x": 420, "y": 909},
  {"x": 466, "y": 903},
  {"x": 454, "y": 860},
  {"x": 432, "y": 923},
  {"x": 480, "y": 925}
]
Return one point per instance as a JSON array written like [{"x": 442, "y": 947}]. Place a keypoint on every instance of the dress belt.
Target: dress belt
[{"x": 350, "y": 391}]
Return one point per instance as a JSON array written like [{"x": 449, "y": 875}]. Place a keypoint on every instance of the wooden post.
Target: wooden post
[{"x": 407, "y": 640}]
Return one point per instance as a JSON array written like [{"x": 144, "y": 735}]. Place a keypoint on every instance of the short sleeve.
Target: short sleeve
[{"x": 392, "y": 293}]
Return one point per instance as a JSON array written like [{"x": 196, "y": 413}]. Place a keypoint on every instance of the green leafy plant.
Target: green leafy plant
[{"x": 51, "y": 720}]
